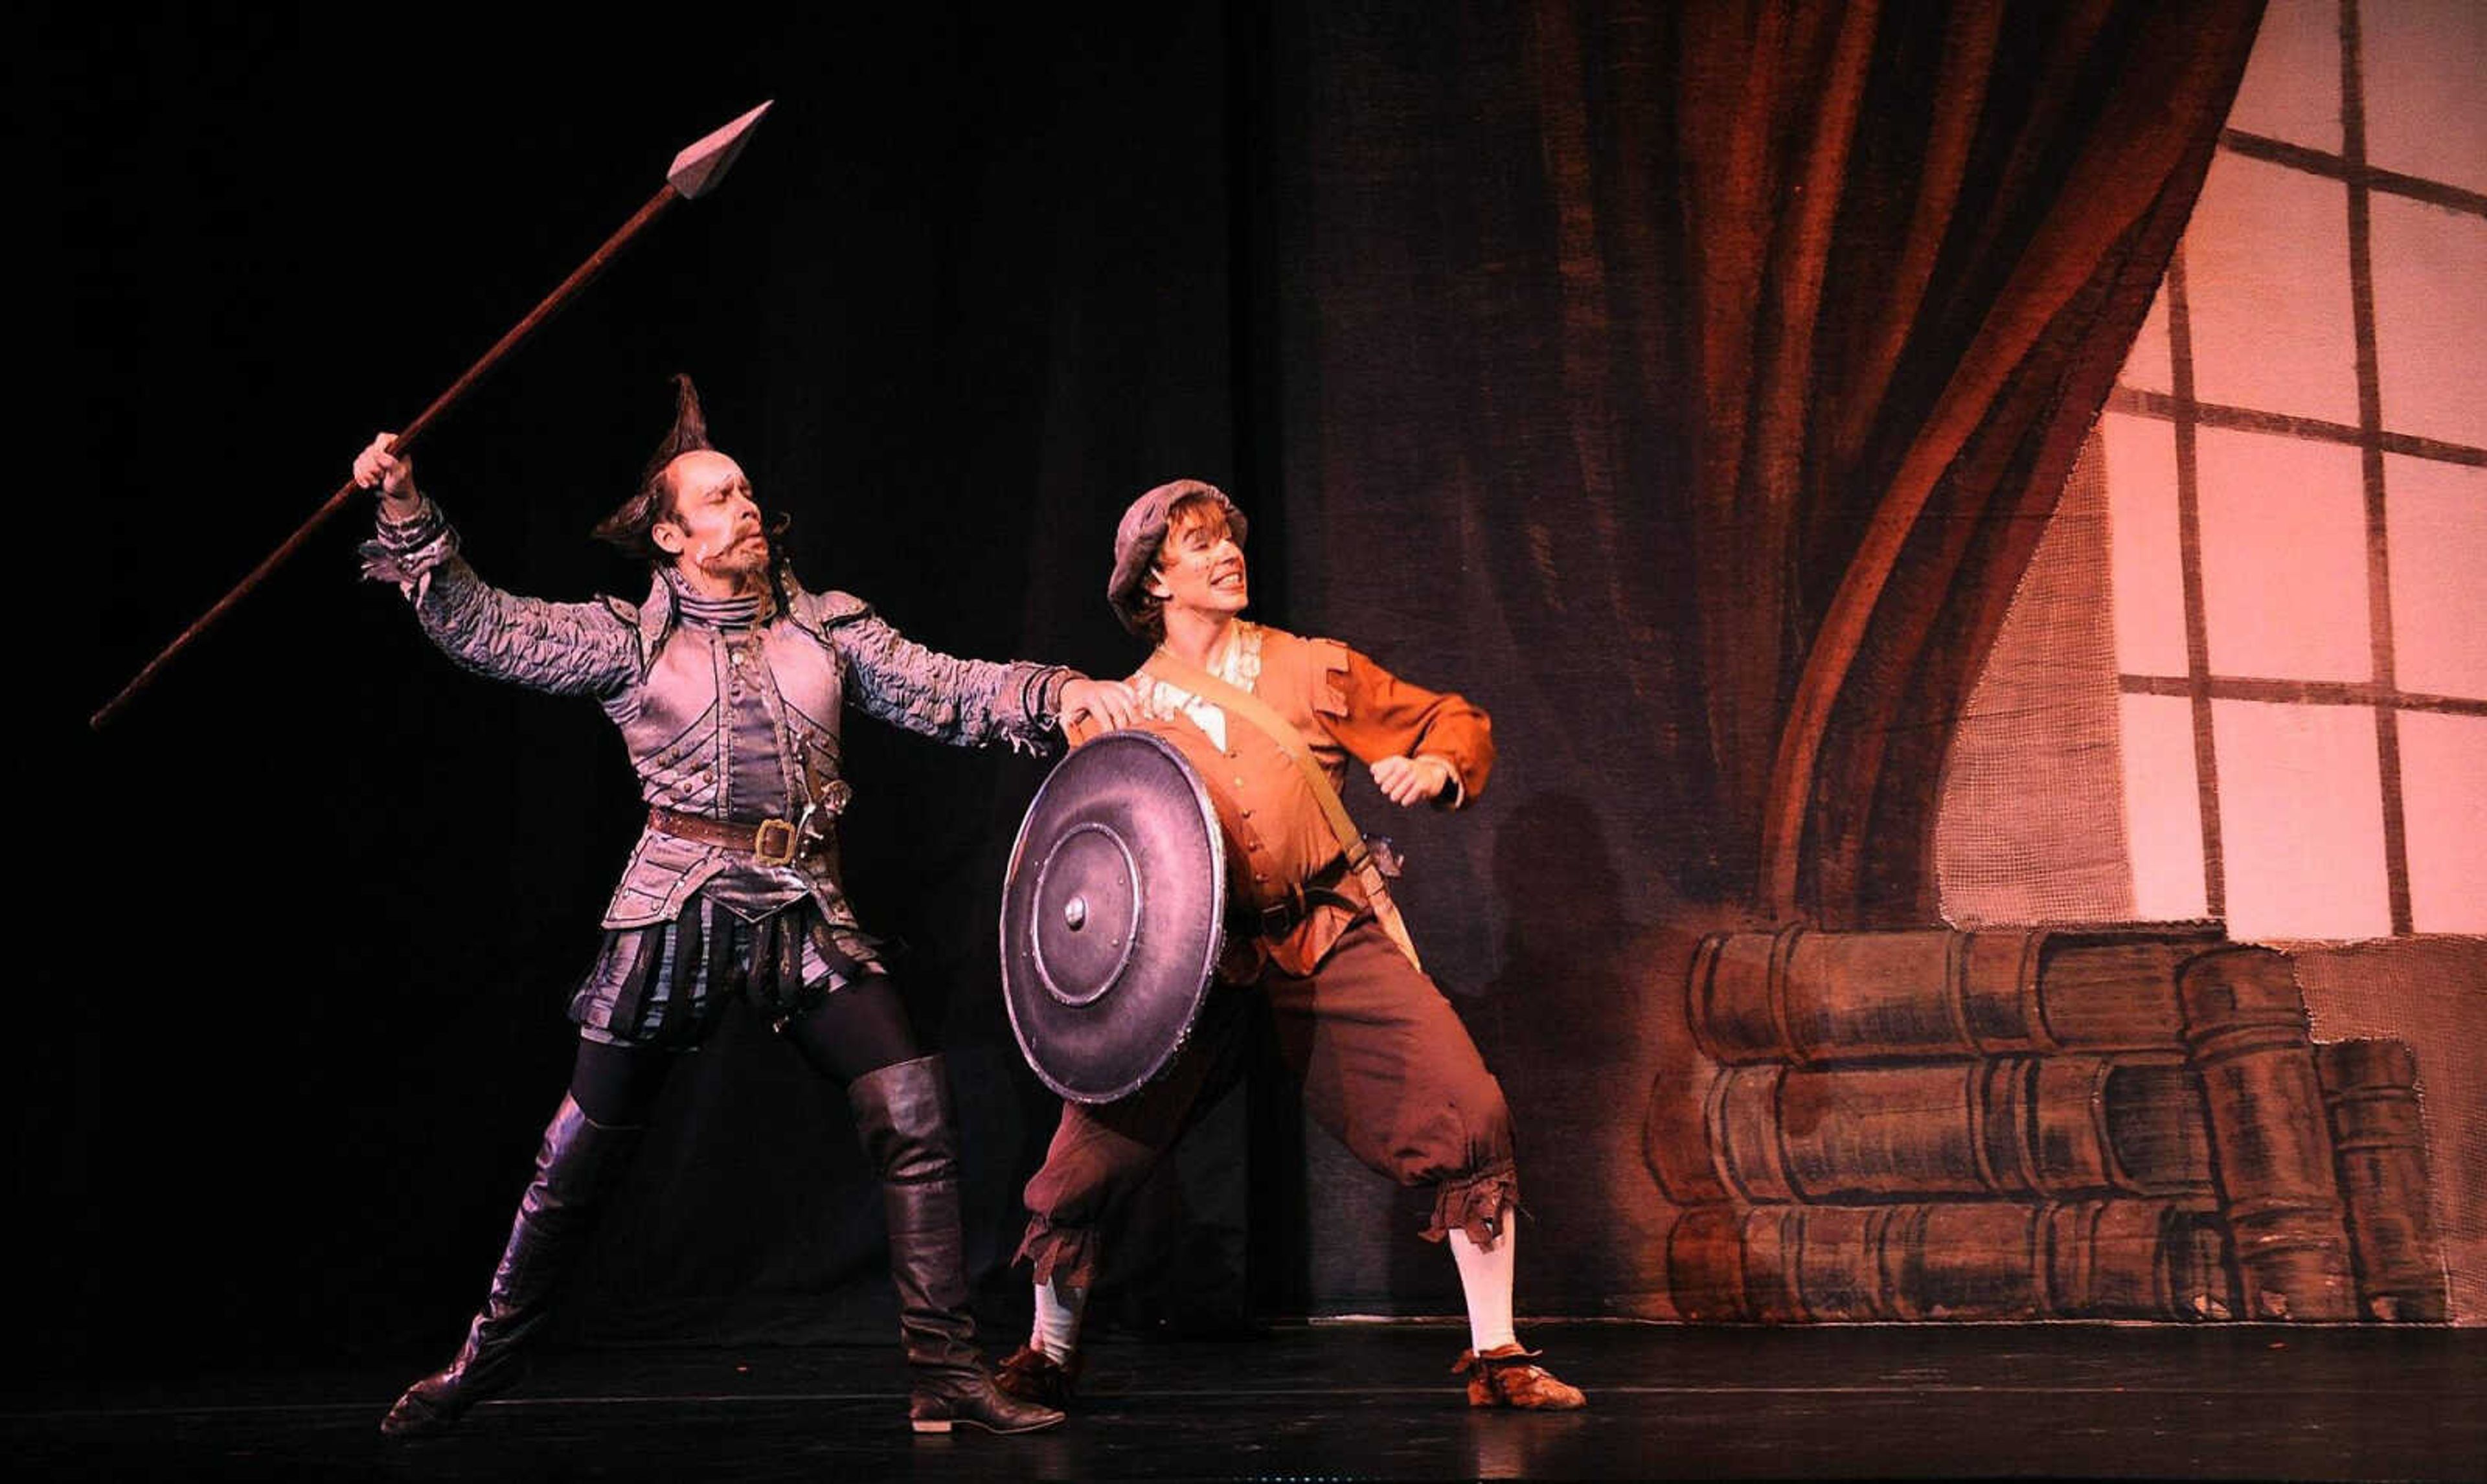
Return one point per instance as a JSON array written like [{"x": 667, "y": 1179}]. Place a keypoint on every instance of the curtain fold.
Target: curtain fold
[
  {"x": 1743, "y": 345},
  {"x": 1998, "y": 200}
]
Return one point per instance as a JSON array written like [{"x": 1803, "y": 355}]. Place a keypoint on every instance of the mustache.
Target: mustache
[
  {"x": 733, "y": 543},
  {"x": 771, "y": 533}
]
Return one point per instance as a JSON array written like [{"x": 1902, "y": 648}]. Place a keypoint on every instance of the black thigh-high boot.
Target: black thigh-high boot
[
  {"x": 581, "y": 1162},
  {"x": 903, "y": 1115}
]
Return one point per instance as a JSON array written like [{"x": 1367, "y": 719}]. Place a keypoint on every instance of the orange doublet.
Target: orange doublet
[{"x": 1277, "y": 838}]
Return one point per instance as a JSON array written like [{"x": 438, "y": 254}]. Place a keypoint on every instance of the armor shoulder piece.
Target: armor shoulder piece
[
  {"x": 653, "y": 617},
  {"x": 633, "y": 618},
  {"x": 818, "y": 612},
  {"x": 834, "y": 608}
]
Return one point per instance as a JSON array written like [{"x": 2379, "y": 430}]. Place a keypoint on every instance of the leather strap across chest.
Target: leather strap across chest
[{"x": 1236, "y": 701}]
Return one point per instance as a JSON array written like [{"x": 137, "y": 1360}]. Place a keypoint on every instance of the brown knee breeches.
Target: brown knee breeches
[{"x": 1386, "y": 1066}]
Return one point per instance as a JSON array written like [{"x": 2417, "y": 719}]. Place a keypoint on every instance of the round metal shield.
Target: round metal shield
[{"x": 1111, "y": 916}]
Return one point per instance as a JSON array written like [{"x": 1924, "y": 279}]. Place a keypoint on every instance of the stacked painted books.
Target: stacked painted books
[{"x": 2032, "y": 1124}]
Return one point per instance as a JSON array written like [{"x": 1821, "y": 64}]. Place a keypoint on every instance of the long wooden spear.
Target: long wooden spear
[{"x": 695, "y": 173}]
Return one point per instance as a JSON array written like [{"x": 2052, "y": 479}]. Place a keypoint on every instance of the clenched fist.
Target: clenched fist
[
  {"x": 1410, "y": 780},
  {"x": 376, "y": 468}
]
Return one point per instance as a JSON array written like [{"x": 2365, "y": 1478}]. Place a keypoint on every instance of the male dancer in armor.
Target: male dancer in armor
[
  {"x": 727, "y": 685},
  {"x": 1387, "y": 1065}
]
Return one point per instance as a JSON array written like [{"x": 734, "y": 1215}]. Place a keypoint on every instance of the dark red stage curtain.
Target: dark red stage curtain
[
  {"x": 1722, "y": 362},
  {"x": 1941, "y": 227}
]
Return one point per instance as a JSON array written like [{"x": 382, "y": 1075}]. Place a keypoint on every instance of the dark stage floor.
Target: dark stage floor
[{"x": 1359, "y": 1401}]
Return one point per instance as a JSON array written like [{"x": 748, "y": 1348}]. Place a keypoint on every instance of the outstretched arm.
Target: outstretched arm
[
  {"x": 970, "y": 702},
  {"x": 567, "y": 649}
]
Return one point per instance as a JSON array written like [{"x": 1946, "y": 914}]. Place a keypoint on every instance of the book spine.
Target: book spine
[
  {"x": 1817, "y": 998},
  {"x": 1935, "y": 1260},
  {"x": 2245, "y": 1025},
  {"x": 1705, "y": 1266},
  {"x": 2037, "y": 1126},
  {"x": 2379, "y": 1149},
  {"x": 2138, "y": 1259},
  {"x": 1689, "y": 1165}
]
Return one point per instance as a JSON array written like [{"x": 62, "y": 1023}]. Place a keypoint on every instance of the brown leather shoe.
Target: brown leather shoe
[
  {"x": 1033, "y": 1375},
  {"x": 1502, "y": 1377},
  {"x": 975, "y": 1401}
]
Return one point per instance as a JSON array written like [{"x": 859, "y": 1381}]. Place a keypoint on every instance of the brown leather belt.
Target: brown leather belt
[
  {"x": 769, "y": 842},
  {"x": 1282, "y": 918}
]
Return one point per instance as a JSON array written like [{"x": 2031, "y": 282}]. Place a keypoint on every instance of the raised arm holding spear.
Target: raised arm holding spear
[
  {"x": 728, "y": 683},
  {"x": 695, "y": 172}
]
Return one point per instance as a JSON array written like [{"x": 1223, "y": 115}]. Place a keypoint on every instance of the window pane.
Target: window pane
[
  {"x": 2444, "y": 787},
  {"x": 2267, "y": 282},
  {"x": 2283, "y": 557},
  {"x": 2431, "y": 319},
  {"x": 2147, "y": 582},
  {"x": 2301, "y": 820},
  {"x": 2163, "y": 809},
  {"x": 2437, "y": 517},
  {"x": 2146, "y": 365},
  {"x": 2292, "y": 84},
  {"x": 2424, "y": 59}
]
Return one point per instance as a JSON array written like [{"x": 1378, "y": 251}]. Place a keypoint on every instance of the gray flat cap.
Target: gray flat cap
[{"x": 1144, "y": 531}]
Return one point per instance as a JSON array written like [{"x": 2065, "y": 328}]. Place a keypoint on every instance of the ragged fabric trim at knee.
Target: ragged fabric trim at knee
[
  {"x": 1476, "y": 1204},
  {"x": 1065, "y": 1255}
]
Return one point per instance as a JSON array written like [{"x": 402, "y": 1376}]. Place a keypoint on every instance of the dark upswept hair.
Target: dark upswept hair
[
  {"x": 628, "y": 526},
  {"x": 632, "y": 527}
]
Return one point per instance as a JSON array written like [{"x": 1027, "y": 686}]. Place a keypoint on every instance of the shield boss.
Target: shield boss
[{"x": 1111, "y": 916}]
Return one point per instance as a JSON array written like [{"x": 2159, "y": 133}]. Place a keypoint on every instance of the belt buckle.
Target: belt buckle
[
  {"x": 1281, "y": 918},
  {"x": 780, "y": 854}
]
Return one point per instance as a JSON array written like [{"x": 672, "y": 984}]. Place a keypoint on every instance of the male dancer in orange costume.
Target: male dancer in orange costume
[{"x": 1387, "y": 1064}]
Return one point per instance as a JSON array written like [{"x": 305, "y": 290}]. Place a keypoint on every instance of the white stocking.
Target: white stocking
[
  {"x": 1485, "y": 1280},
  {"x": 1058, "y": 1307}
]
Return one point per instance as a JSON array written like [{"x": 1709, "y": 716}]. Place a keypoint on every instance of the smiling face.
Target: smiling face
[
  {"x": 713, "y": 529},
  {"x": 1200, "y": 567}
]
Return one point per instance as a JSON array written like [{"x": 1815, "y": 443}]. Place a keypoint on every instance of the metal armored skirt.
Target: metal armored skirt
[{"x": 665, "y": 984}]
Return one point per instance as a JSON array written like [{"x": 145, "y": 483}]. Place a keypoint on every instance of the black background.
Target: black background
[{"x": 303, "y": 919}]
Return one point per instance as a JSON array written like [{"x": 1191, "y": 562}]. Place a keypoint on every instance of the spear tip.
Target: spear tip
[{"x": 705, "y": 161}]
